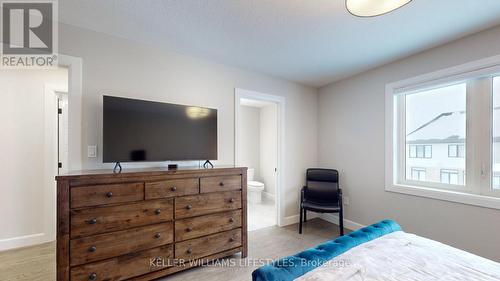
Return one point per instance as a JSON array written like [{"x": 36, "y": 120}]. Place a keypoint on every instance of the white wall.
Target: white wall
[
  {"x": 23, "y": 199},
  {"x": 116, "y": 66},
  {"x": 250, "y": 139},
  {"x": 269, "y": 147},
  {"x": 351, "y": 139}
]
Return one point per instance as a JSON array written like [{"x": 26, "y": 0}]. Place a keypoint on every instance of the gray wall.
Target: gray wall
[
  {"x": 116, "y": 66},
  {"x": 351, "y": 139}
]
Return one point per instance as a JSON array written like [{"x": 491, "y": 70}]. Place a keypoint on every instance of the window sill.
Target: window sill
[{"x": 446, "y": 195}]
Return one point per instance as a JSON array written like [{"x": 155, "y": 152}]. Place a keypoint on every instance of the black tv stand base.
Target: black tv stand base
[
  {"x": 118, "y": 168},
  {"x": 207, "y": 164}
]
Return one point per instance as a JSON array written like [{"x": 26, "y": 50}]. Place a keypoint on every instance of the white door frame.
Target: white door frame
[
  {"x": 74, "y": 90},
  {"x": 280, "y": 105},
  {"x": 50, "y": 160},
  {"x": 74, "y": 65}
]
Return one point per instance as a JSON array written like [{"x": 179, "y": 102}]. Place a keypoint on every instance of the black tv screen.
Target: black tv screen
[{"x": 138, "y": 130}]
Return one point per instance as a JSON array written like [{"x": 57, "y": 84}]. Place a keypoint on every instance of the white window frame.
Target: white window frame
[{"x": 478, "y": 189}]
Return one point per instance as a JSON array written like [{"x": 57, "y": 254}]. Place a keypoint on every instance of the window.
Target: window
[
  {"x": 418, "y": 174},
  {"x": 449, "y": 176},
  {"x": 420, "y": 151},
  {"x": 456, "y": 151},
  {"x": 434, "y": 116},
  {"x": 443, "y": 126},
  {"x": 496, "y": 134},
  {"x": 496, "y": 182}
]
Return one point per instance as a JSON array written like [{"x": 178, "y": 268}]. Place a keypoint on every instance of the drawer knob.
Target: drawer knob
[
  {"x": 189, "y": 207},
  {"x": 92, "y": 221},
  {"x": 189, "y": 229},
  {"x": 231, "y": 220},
  {"x": 93, "y": 276},
  {"x": 109, "y": 194},
  {"x": 221, "y": 183},
  {"x": 157, "y": 235},
  {"x": 173, "y": 188},
  {"x": 92, "y": 249},
  {"x": 189, "y": 251},
  {"x": 158, "y": 211},
  {"x": 231, "y": 200},
  {"x": 231, "y": 239}
]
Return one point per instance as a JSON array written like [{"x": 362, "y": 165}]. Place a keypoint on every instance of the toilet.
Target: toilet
[{"x": 255, "y": 188}]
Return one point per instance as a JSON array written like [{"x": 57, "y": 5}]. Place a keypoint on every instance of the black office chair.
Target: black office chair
[{"x": 321, "y": 194}]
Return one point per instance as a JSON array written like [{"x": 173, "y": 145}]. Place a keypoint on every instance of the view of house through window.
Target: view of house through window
[
  {"x": 496, "y": 133},
  {"x": 418, "y": 174},
  {"x": 435, "y": 135}
]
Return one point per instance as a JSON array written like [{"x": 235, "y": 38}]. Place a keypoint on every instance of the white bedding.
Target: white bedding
[{"x": 403, "y": 257}]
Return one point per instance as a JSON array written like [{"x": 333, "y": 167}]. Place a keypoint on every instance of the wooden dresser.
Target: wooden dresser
[{"x": 142, "y": 225}]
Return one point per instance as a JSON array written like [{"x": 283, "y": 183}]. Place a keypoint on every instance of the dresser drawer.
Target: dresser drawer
[
  {"x": 200, "y": 226},
  {"x": 208, "y": 245},
  {"x": 103, "y": 246},
  {"x": 223, "y": 183},
  {"x": 125, "y": 267},
  {"x": 203, "y": 204},
  {"x": 92, "y": 221},
  {"x": 87, "y": 196},
  {"x": 171, "y": 188}
]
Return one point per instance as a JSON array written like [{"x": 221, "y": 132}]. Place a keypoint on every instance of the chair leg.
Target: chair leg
[
  {"x": 305, "y": 215},
  {"x": 300, "y": 222},
  {"x": 341, "y": 222}
]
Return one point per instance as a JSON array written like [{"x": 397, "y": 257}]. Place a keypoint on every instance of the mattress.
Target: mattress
[
  {"x": 381, "y": 252},
  {"x": 405, "y": 257}
]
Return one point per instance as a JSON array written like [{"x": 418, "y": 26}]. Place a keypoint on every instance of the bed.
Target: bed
[{"x": 380, "y": 252}]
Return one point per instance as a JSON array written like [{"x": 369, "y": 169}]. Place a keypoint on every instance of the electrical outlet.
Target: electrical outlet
[
  {"x": 345, "y": 200},
  {"x": 92, "y": 151}
]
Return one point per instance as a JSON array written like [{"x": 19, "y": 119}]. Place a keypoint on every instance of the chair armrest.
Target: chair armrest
[
  {"x": 340, "y": 197},
  {"x": 302, "y": 193}
]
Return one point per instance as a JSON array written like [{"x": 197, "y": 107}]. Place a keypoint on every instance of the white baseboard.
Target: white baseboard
[
  {"x": 268, "y": 196},
  {"x": 24, "y": 241},
  {"x": 295, "y": 219},
  {"x": 333, "y": 218}
]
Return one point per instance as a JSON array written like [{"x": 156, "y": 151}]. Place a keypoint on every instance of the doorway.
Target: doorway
[{"x": 257, "y": 139}]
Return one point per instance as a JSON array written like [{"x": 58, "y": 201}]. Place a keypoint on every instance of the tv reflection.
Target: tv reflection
[{"x": 194, "y": 112}]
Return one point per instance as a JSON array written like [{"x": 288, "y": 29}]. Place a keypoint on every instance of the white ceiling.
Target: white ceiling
[{"x": 313, "y": 42}]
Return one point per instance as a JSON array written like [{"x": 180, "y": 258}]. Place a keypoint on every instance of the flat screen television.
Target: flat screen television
[{"x": 138, "y": 130}]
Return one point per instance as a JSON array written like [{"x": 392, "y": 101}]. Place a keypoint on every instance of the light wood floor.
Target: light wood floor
[{"x": 38, "y": 263}]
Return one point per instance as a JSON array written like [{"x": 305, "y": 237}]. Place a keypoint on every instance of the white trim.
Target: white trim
[
  {"x": 289, "y": 220},
  {"x": 24, "y": 241},
  {"x": 447, "y": 195},
  {"x": 331, "y": 218},
  {"x": 75, "y": 81},
  {"x": 268, "y": 195},
  {"x": 476, "y": 69},
  {"x": 334, "y": 218},
  {"x": 295, "y": 219},
  {"x": 50, "y": 159},
  {"x": 280, "y": 179},
  {"x": 452, "y": 75}
]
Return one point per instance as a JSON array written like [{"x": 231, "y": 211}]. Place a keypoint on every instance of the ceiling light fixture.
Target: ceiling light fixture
[{"x": 373, "y": 8}]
